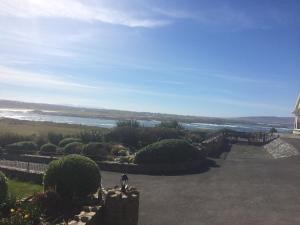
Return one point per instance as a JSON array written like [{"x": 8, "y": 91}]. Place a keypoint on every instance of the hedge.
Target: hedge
[
  {"x": 21, "y": 147},
  {"x": 73, "y": 148},
  {"x": 168, "y": 151},
  {"x": 66, "y": 141},
  {"x": 73, "y": 176},
  {"x": 96, "y": 149},
  {"x": 3, "y": 187},
  {"x": 48, "y": 148}
]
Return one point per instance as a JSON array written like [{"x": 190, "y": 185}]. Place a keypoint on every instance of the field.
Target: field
[
  {"x": 28, "y": 128},
  {"x": 21, "y": 189}
]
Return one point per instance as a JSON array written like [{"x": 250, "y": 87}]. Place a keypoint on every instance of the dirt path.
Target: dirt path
[{"x": 248, "y": 188}]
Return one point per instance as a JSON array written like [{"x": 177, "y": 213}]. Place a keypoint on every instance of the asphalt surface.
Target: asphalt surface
[{"x": 248, "y": 187}]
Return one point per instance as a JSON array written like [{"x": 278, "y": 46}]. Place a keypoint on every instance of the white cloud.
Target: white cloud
[
  {"x": 75, "y": 9},
  {"x": 10, "y": 76}
]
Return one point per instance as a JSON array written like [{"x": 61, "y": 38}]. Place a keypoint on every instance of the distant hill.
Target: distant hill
[{"x": 63, "y": 110}]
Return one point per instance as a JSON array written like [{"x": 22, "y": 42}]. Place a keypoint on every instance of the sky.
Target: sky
[{"x": 224, "y": 58}]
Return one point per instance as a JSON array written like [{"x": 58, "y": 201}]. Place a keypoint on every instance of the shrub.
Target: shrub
[
  {"x": 72, "y": 176},
  {"x": 171, "y": 124},
  {"x": 128, "y": 123},
  {"x": 96, "y": 149},
  {"x": 150, "y": 135},
  {"x": 48, "y": 149},
  {"x": 66, "y": 141},
  {"x": 3, "y": 187},
  {"x": 50, "y": 203},
  {"x": 73, "y": 148},
  {"x": 129, "y": 136},
  {"x": 91, "y": 136},
  {"x": 21, "y": 147},
  {"x": 167, "y": 151},
  {"x": 54, "y": 138},
  {"x": 9, "y": 138}
]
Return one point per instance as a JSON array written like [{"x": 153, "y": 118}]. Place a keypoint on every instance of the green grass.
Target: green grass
[{"x": 21, "y": 189}]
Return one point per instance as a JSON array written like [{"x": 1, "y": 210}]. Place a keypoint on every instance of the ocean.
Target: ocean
[{"x": 30, "y": 115}]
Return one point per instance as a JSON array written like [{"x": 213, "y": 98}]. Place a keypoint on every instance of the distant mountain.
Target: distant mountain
[{"x": 63, "y": 110}]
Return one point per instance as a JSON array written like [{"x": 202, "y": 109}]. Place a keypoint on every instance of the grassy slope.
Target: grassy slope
[
  {"x": 21, "y": 189},
  {"x": 22, "y": 127}
]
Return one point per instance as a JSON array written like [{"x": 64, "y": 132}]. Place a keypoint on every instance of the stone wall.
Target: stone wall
[
  {"x": 23, "y": 175},
  {"x": 155, "y": 169},
  {"x": 117, "y": 208}
]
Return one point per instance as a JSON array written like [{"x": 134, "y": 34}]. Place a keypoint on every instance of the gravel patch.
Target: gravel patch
[{"x": 281, "y": 149}]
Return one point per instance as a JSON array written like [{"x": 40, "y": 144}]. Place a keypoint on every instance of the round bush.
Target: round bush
[
  {"x": 48, "y": 149},
  {"x": 22, "y": 147},
  {"x": 73, "y": 148},
  {"x": 73, "y": 176},
  {"x": 167, "y": 151},
  {"x": 97, "y": 149},
  {"x": 3, "y": 187},
  {"x": 66, "y": 141}
]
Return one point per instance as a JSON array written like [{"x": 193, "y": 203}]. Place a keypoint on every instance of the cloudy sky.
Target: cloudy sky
[{"x": 210, "y": 58}]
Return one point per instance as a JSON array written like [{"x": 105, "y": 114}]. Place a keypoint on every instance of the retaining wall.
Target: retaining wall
[{"x": 23, "y": 175}]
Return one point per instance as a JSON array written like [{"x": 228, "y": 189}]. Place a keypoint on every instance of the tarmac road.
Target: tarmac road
[{"x": 249, "y": 187}]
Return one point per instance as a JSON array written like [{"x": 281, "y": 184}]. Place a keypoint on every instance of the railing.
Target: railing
[{"x": 26, "y": 166}]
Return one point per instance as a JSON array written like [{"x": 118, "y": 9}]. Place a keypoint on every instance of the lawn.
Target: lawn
[{"x": 21, "y": 189}]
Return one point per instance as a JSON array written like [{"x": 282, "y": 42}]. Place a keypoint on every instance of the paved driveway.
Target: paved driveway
[{"x": 249, "y": 187}]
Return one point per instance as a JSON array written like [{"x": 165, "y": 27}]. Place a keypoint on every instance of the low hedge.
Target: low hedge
[
  {"x": 96, "y": 149},
  {"x": 73, "y": 176},
  {"x": 48, "y": 149},
  {"x": 73, "y": 148},
  {"x": 3, "y": 187},
  {"x": 66, "y": 141},
  {"x": 21, "y": 147},
  {"x": 168, "y": 151}
]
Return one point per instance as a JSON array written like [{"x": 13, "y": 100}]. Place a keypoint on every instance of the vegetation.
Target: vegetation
[
  {"x": 48, "y": 149},
  {"x": 66, "y": 141},
  {"x": 22, "y": 147},
  {"x": 168, "y": 151},
  {"x": 21, "y": 189},
  {"x": 3, "y": 187},
  {"x": 170, "y": 124},
  {"x": 55, "y": 138},
  {"x": 73, "y": 148},
  {"x": 128, "y": 123},
  {"x": 91, "y": 136},
  {"x": 273, "y": 130},
  {"x": 96, "y": 150},
  {"x": 60, "y": 176}
]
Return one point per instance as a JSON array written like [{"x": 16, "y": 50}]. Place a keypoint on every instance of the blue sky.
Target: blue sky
[{"x": 207, "y": 58}]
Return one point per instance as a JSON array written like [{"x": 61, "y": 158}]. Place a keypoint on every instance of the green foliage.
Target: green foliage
[
  {"x": 25, "y": 214},
  {"x": 55, "y": 138},
  {"x": 273, "y": 130},
  {"x": 140, "y": 137},
  {"x": 72, "y": 176},
  {"x": 9, "y": 138},
  {"x": 128, "y": 123},
  {"x": 129, "y": 136},
  {"x": 21, "y": 189},
  {"x": 48, "y": 149},
  {"x": 150, "y": 135},
  {"x": 21, "y": 147},
  {"x": 3, "y": 187},
  {"x": 195, "y": 136},
  {"x": 50, "y": 203},
  {"x": 66, "y": 141},
  {"x": 91, "y": 136},
  {"x": 170, "y": 124},
  {"x": 73, "y": 148},
  {"x": 97, "y": 150},
  {"x": 167, "y": 151}
]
